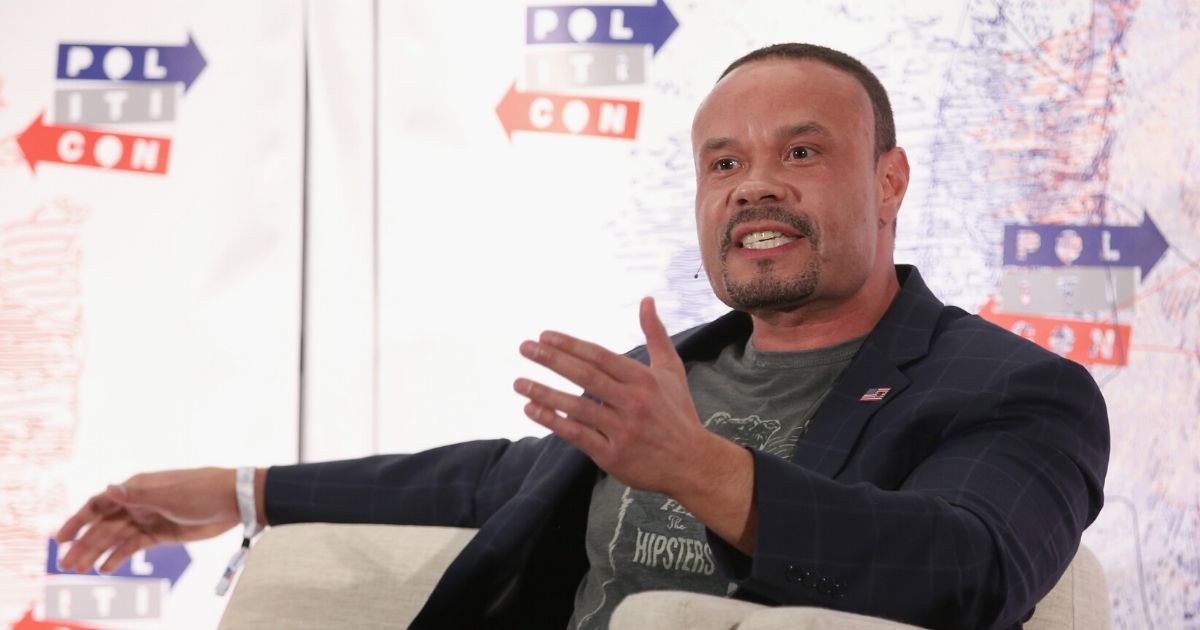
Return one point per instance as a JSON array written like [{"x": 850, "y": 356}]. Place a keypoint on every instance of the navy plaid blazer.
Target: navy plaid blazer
[{"x": 956, "y": 500}]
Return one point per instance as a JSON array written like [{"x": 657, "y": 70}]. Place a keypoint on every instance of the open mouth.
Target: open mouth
[
  {"x": 757, "y": 232},
  {"x": 767, "y": 239}
]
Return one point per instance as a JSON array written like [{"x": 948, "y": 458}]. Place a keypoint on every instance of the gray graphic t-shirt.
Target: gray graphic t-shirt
[{"x": 640, "y": 541}]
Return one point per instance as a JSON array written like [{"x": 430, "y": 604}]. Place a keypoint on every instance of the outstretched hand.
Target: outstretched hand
[{"x": 149, "y": 509}]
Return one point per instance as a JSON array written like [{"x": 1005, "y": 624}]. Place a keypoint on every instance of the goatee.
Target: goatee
[{"x": 767, "y": 290}]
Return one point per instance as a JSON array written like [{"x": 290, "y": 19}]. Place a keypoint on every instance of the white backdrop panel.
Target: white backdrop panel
[
  {"x": 339, "y": 292},
  {"x": 173, "y": 297}
]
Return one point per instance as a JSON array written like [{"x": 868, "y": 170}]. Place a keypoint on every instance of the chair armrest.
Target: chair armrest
[
  {"x": 319, "y": 575},
  {"x": 1078, "y": 601},
  {"x": 680, "y": 610}
]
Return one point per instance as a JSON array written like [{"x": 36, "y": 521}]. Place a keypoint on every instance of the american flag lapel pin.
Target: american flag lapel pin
[{"x": 875, "y": 394}]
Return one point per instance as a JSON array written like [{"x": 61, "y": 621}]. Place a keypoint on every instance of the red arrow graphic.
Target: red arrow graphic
[
  {"x": 92, "y": 147},
  {"x": 1080, "y": 341},
  {"x": 29, "y": 623},
  {"x": 548, "y": 112}
]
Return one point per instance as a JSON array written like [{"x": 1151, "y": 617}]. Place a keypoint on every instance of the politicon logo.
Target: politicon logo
[
  {"x": 571, "y": 51},
  {"x": 136, "y": 592},
  {"x": 1064, "y": 286},
  {"x": 102, "y": 85}
]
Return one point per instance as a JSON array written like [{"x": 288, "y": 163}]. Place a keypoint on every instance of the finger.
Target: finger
[
  {"x": 97, "y": 540},
  {"x": 125, "y": 550},
  {"x": 590, "y": 376},
  {"x": 96, "y": 507},
  {"x": 589, "y": 412},
  {"x": 658, "y": 342},
  {"x": 583, "y": 437},
  {"x": 76, "y": 558},
  {"x": 620, "y": 367}
]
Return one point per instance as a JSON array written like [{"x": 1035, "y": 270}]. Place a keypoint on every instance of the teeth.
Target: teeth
[{"x": 765, "y": 240}]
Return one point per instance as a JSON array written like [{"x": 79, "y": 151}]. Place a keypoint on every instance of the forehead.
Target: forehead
[{"x": 768, "y": 94}]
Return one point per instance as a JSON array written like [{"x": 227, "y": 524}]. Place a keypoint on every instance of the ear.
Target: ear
[{"x": 892, "y": 175}]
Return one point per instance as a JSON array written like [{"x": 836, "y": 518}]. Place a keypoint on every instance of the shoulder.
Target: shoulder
[
  {"x": 961, "y": 334},
  {"x": 987, "y": 362},
  {"x": 968, "y": 337}
]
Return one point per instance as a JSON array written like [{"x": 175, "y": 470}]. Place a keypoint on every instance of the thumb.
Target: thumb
[{"x": 658, "y": 342}]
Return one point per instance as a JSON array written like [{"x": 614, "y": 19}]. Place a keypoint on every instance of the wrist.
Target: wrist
[
  {"x": 721, "y": 494},
  {"x": 247, "y": 501},
  {"x": 716, "y": 464},
  {"x": 260, "y": 492}
]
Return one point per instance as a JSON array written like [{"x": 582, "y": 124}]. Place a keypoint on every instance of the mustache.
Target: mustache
[{"x": 798, "y": 221}]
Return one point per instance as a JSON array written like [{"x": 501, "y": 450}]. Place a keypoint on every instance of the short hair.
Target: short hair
[{"x": 885, "y": 124}]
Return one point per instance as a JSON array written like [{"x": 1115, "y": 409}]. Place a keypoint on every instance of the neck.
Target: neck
[{"x": 820, "y": 324}]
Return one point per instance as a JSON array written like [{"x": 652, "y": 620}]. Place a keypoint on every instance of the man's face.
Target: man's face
[{"x": 791, "y": 206}]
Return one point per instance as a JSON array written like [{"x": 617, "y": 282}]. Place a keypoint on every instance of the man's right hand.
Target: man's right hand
[{"x": 149, "y": 509}]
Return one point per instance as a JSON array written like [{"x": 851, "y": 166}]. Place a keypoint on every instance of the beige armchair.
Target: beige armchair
[{"x": 378, "y": 576}]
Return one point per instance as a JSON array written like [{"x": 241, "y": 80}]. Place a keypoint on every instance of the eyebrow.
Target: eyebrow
[{"x": 806, "y": 128}]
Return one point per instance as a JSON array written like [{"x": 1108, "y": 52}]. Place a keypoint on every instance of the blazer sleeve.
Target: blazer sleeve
[
  {"x": 459, "y": 485},
  {"x": 975, "y": 535}
]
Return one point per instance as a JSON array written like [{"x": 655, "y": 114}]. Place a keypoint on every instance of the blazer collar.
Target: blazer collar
[{"x": 904, "y": 333}]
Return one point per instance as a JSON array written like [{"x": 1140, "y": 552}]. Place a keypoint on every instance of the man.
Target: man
[{"x": 841, "y": 440}]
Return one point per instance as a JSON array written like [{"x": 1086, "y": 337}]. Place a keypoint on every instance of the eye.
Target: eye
[
  {"x": 800, "y": 153},
  {"x": 725, "y": 164}
]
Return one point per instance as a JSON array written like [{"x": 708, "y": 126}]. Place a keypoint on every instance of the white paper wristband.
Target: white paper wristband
[
  {"x": 248, "y": 512},
  {"x": 245, "y": 501}
]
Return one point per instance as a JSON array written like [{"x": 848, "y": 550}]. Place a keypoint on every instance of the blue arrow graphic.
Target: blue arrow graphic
[
  {"x": 119, "y": 62},
  {"x": 1085, "y": 245},
  {"x": 600, "y": 24},
  {"x": 162, "y": 562}
]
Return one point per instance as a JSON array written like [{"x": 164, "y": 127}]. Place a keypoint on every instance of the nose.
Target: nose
[{"x": 758, "y": 187}]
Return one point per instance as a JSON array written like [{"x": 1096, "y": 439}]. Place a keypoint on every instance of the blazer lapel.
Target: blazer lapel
[
  {"x": 704, "y": 343},
  {"x": 839, "y": 421},
  {"x": 901, "y": 336}
]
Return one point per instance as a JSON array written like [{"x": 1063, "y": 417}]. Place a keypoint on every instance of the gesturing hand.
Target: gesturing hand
[
  {"x": 644, "y": 430},
  {"x": 150, "y": 509}
]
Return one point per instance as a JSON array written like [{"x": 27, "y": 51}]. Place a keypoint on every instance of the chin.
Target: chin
[
  {"x": 771, "y": 291},
  {"x": 772, "y": 295}
]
